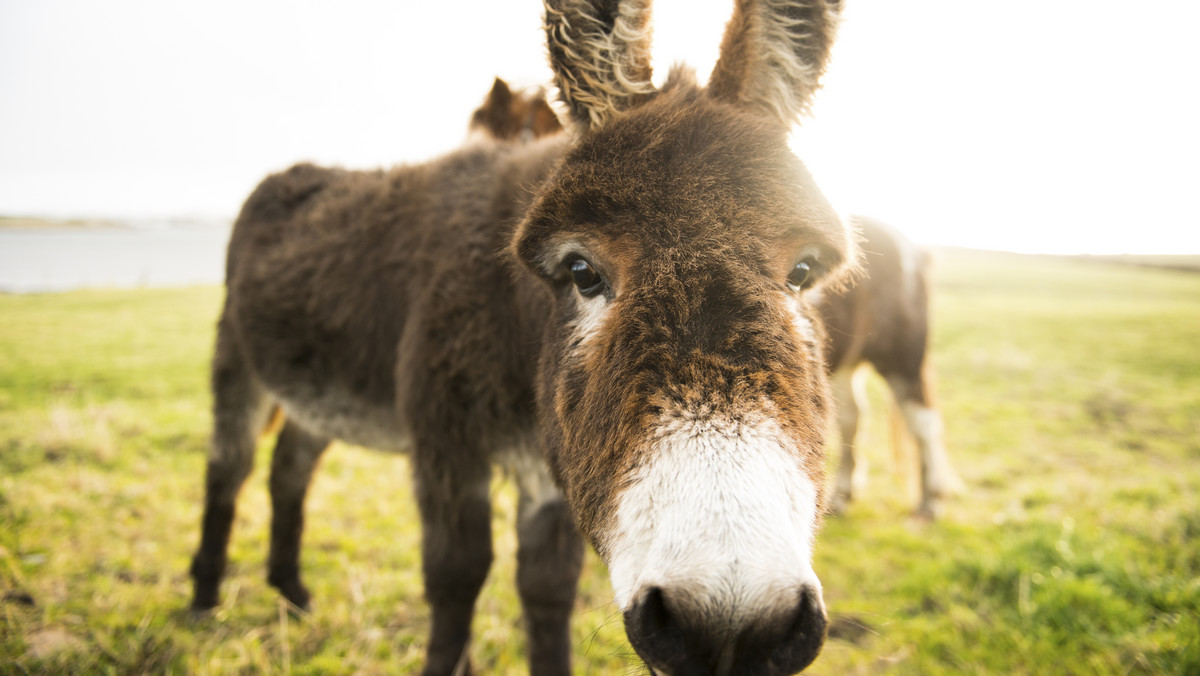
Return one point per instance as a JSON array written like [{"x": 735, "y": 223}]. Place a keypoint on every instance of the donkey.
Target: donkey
[
  {"x": 621, "y": 314},
  {"x": 881, "y": 320}
]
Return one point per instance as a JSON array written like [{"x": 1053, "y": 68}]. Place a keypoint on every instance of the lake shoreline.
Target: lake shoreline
[{"x": 45, "y": 259}]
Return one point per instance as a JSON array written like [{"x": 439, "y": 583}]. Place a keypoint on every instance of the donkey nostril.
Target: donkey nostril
[
  {"x": 652, "y": 629},
  {"x": 805, "y": 634},
  {"x": 654, "y": 610}
]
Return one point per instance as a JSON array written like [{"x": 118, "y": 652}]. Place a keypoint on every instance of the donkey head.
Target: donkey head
[
  {"x": 514, "y": 116},
  {"x": 682, "y": 391}
]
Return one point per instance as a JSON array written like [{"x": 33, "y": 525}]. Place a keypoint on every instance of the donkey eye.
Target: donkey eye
[
  {"x": 586, "y": 278},
  {"x": 801, "y": 276}
]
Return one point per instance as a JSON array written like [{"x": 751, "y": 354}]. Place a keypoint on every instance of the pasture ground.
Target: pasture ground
[{"x": 1071, "y": 391}]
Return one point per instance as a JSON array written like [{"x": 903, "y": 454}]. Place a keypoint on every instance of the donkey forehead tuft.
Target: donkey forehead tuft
[
  {"x": 680, "y": 153},
  {"x": 683, "y": 107},
  {"x": 681, "y": 166}
]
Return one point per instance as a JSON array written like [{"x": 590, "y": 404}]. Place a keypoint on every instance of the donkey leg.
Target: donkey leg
[
  {"x": 549, "y": 560},
  {"x": 240, "y": 410},
  {"x": 914, "y": 396},
  {"x": 850, "y": 400},
  {"x": 456, "y": 548},
  {"x": 296, "y": 454}
]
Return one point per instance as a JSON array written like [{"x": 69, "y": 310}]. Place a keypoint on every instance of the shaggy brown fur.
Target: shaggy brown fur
[
  {"x": 882, "y": 319},
  {"x": 443, "y": 308}
]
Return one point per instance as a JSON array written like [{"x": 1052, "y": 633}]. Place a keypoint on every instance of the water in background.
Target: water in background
[{"x": 52, "y": 259}]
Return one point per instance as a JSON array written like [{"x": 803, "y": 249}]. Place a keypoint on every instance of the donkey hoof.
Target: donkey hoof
[
  {"x": 296, "y": 594},
  {"x": 299, "y": 604},
  {"x": 197, "y": 613},
  {"x": 929, "y": 511},
  {"x": 205, "y": 599}
]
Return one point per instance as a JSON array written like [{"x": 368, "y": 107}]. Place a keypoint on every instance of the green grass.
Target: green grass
[{"x": 1071, "y": 392}]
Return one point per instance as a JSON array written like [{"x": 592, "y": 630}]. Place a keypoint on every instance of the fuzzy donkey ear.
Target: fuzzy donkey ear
[
  {"x": 773, "y": 55},
  {"x": 600, "y": 53}
]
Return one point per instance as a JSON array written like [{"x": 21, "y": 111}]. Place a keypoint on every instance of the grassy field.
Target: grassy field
[{"x": 1071, "y": 392}]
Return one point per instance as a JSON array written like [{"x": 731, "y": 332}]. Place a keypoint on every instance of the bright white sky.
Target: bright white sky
[{"x": 967, "y": 123}]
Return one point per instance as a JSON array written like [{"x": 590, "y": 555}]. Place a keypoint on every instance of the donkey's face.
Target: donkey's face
[
  {"x": 683, "y": 383},
  {"x": 682, "y": 392}
]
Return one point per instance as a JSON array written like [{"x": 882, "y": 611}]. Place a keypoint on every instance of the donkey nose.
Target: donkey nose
[{"x": 676, "y": 633}]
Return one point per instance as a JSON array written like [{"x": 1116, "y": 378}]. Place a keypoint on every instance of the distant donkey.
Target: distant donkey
[
  {"x": 620, "y": 314},
  {"x": 514, "y": 116},
  {"x": 882, "y": 319}
]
